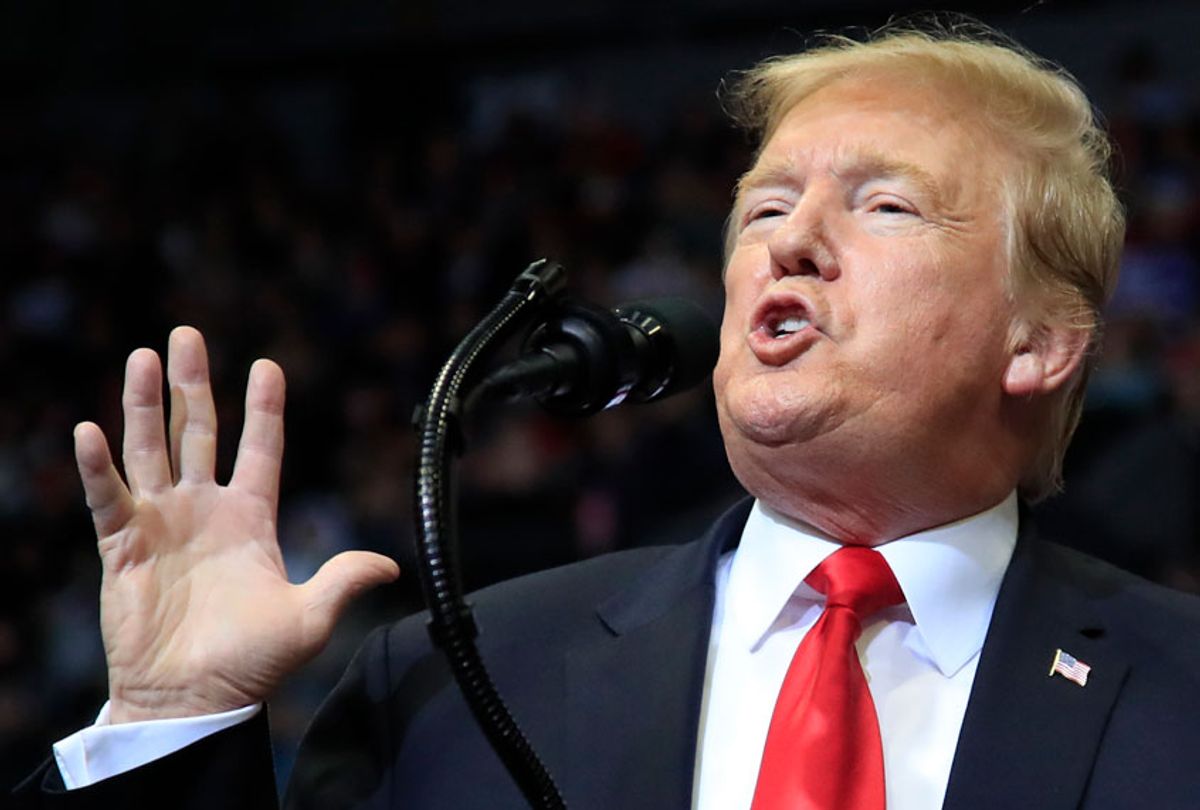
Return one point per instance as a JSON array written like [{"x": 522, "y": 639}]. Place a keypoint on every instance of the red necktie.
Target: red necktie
[{"x": 823, "y": 749}]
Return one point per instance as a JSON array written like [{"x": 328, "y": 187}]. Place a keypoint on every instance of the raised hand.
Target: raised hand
[{"x": 197, "y": 614}]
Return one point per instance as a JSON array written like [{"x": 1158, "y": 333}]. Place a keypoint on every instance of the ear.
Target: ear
[{"x": 1044, "y": 359}]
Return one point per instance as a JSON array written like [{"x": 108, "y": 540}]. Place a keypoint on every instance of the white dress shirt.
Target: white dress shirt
[
  {"x": 102, "y": 750},
  {"x": 919, "y": 658}
]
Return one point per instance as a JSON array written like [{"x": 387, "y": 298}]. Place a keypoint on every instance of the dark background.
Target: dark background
[{"x": 346, "y": 187}]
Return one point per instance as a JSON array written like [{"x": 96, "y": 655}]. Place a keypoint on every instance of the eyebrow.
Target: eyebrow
[
  {"x": 763, "y": 174},
  {"x": 860, "y": 167}
]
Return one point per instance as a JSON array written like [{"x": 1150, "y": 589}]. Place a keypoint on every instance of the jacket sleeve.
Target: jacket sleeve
[{"x": 231, "y": 769}]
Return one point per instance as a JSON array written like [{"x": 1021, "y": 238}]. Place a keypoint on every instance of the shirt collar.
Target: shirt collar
[{"x": 950, "y": 576}]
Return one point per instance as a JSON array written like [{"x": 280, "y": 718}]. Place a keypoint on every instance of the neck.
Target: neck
[{"x": 870, "y": 509}]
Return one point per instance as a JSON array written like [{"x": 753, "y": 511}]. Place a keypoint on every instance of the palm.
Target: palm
[
  {"x": 186, "y": 562},
  {"x": 196, "y": 610}
]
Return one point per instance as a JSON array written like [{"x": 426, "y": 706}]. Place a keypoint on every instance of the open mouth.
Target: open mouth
[
  {"x": 780, "y": 317},
  {"x": 779, "y": 325},
  {"x": 783, "y": 328}
]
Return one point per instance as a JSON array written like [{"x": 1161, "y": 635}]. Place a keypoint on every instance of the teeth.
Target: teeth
[{"x": 789, "y": 325}]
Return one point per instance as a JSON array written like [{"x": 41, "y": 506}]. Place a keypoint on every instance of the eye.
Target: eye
[
  {"x": 890, "y": 205},
  {"x": 764, "y": 211}
]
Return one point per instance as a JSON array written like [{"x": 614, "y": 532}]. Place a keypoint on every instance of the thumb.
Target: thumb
[{"x": 337, "y": 583}]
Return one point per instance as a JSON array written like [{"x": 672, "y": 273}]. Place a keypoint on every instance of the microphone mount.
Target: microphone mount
[
  {"x": 579, "y": 360},
  {"x": 451, "y": 624}
]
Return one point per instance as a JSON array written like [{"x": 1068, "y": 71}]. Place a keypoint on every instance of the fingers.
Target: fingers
[
  {"x": 338, "y": 582},
  {"x": 193, "y": 416},
  {"x": 260, "y": 452},
  {"x": 107, "y": 497},
  {"x": 144, "y": 448},
  {"x": 193, "y": 434}
]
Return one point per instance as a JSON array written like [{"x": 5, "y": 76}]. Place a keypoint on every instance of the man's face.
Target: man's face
[{"x": 866, "y": 321}]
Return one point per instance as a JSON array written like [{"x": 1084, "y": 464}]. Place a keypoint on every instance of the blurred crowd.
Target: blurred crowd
[
  {"x": 1133, "y": 473},
  {"x": 355, "y": 246},
  {"x": 203, "y": 209}
]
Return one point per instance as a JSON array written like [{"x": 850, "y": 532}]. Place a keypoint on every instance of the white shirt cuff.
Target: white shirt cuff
[{"x": 102, "y": 750}]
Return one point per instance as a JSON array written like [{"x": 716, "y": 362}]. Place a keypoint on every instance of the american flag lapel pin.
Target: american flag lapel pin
[{"x": 1069, "y": 667}]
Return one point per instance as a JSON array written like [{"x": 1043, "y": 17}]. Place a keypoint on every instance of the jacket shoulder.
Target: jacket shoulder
[
  {"x": 536, "y": 608},
  {"x": 1152, "y": 619}
]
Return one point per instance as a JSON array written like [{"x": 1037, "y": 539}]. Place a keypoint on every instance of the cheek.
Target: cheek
[
  {"x": 729, "y": 346},
  {"x": 939, "y": 346},
  {"x": 930, "y": 296},
  {"x": 902, "y": 306},
  {"x": 746, "y": 272},
  {"x": 743, "y": 283},
  {"x": 731, "y": 316}
]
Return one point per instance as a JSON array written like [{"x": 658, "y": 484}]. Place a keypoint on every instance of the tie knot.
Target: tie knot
[{"x": 859, "y": 578}]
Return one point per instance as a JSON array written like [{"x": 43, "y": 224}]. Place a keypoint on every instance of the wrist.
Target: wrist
[{"x": 133, "y": 706}]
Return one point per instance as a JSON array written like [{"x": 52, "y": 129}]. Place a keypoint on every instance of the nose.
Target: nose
[{"x": 801, "y": 244}]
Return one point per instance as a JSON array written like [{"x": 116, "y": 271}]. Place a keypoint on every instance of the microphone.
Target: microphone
[{"x": 585, "y": 359}]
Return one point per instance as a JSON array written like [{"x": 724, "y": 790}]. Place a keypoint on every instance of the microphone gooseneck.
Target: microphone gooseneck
[
  {"x": 451, "y": 624},
  {"x": 579, "y": 360}
]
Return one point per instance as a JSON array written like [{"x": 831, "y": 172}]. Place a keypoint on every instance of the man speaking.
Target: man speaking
[{"x": 916, "y": 263}]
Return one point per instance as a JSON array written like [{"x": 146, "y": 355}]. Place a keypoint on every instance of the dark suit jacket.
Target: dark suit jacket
[{"x": 603, "y": 664}]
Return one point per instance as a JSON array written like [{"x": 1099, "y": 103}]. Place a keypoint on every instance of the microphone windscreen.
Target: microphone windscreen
[{"x": 684, "y": 335}]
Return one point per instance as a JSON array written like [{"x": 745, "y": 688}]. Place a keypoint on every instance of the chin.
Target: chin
[{"x": 764, "y": 412}]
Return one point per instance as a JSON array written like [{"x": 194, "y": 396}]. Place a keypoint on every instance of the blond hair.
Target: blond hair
[{"x": 1066, "y": 226}]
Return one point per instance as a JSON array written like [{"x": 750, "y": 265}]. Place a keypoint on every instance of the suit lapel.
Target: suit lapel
[
  {"x": 634, "y": 691},
  {"x": 1028, "y": 738}
]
